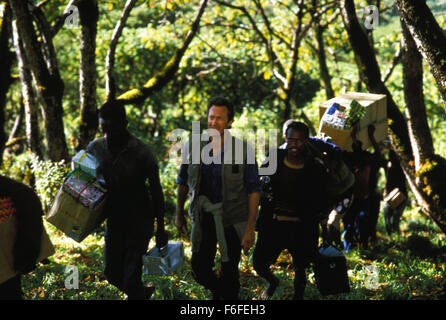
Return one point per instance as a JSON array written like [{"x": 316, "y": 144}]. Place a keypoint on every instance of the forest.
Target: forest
[{"x": 275, "y": 60}]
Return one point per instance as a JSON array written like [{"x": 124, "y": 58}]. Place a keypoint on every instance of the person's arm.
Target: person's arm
[
  {"x": 158, "y": 201},
  {"x": 156, "y": 191},
  {"x": 180, "y": 218},
  {"x": 353, "y": 134},
  {"x": 182, "y": 191},
  {"x": 323, "y": 204},
  {"x": 253, "y": 187},
  {"x": 371, "y": 132},
  {"x": 380, "y": 159},
  {"x": 249, "y": 235}
]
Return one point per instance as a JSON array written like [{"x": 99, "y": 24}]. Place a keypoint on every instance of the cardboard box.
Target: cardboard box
[
  {"x": 73, "y": 218},
  {"x": 376, "y": 114},
  {"x": 8, "y": 228},
  {"x": 164, "y": 262},
  {"x": 395, "y": 198},
  {"x": 86, "y": 162},
  {"x": 88, "y": 193}
]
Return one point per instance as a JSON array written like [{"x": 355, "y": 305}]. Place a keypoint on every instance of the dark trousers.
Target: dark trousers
[
  {"x": 357, "y": 223},
  {"x": 278, "y": 236},
  {"x": 392, "y": 217},
  {"x": 123, "y": 260},
  {"x": 11, "y": 289},
  {"x": 374, "y": 205},
  {"x": 227, "y": 285}
]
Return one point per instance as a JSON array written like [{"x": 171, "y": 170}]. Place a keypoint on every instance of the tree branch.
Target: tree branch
[
  {"x": 274, "y": 60},
  {"x": 396, "y": 59},
  {"x": 298, "y": 34},
  {"x": 160, "y": 79},
  {"x": 18, "y": 121},
  {"x": 47, "y": 39},
  {"x": 268, "y": 24},
  {"x": 60, "y": 21},
  {"x": 110, "y": 86}
]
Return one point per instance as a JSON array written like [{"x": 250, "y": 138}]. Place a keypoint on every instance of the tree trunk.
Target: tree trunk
[
  {"x": 31, "y": 112},
  {"x": 325, "y": 74},
  {"x": 428, "y": 36},
  {"x": 5, "y": 67},
  {"x": 419, "y": 133},
  {"x": 426, "y": 177},
  {"x": 88, "y": 14},
  {"x": 46, "y": 76},
  {"x": 431, "y": 198},
  {"x": 300, "y": 30}
]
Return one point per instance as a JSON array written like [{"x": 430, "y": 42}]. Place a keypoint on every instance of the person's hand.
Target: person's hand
[
  {"x": 180, "y": 223},
  {"x": 248, "y": 239}
]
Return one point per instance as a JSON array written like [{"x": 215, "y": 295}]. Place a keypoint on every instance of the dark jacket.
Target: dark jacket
[
  {"x": 316, "y": 201},
  {"x": 132, "y": 204},
  {"x": 313, "y": 204},
  {"x": 29, "y": 223}
]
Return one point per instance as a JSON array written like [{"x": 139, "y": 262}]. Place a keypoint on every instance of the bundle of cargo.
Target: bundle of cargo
[
  {"x": 78, "y": 207},
  {"x": 8, "y": 231},
  {"x": 85, "y": 189},
  {"x": 87, "y": 163},
  {"x": 339, "y": 115}
]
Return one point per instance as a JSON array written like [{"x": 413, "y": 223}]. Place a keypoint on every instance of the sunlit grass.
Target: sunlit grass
[{"x": 401, "y": 273}]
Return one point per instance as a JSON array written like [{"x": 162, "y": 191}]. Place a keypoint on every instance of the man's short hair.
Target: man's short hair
[
  {"x": 285, "y": 126},
  {"x": 221, "y": 101},
  {"x": 113, "y": 110},
  {"x": 298, "y": 126}
]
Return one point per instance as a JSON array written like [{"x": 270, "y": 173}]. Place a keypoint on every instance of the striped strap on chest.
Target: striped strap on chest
[{"x": 7, "y": 208}]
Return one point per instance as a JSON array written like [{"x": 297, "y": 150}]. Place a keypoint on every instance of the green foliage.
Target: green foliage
[
  {"x": 18, "y": 167},
  {"x": 168, "y": 181},
  {"x": 45, "y": 177},
  {"x": 49, "y": 177}
]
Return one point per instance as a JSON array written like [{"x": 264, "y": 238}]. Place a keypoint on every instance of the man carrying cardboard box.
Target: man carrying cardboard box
[
  {"x": 126, "y": 164},
  {"x": 364, "y": 211}
]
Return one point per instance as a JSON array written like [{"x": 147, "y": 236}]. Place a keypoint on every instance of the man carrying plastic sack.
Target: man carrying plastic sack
[{"x": 126, "y": 163}]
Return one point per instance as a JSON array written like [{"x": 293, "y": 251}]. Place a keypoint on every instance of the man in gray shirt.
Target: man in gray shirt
[
  {"x": 127, "y": 164},
  {"x": 225, "y": 190}
]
